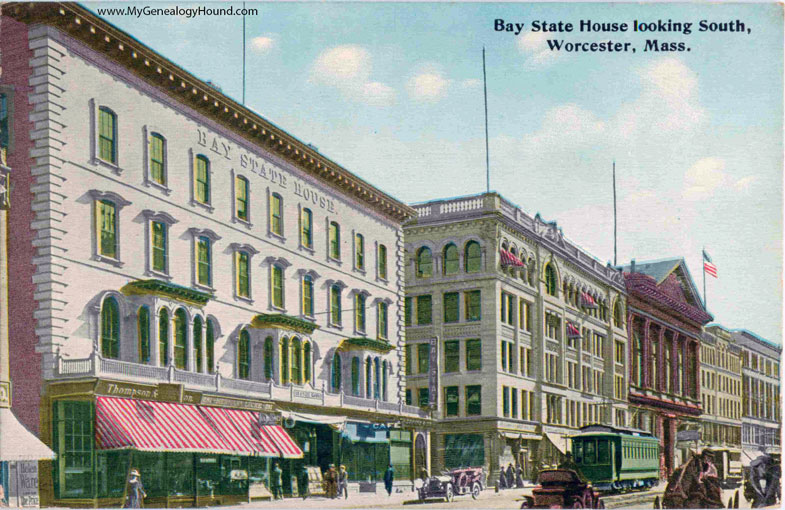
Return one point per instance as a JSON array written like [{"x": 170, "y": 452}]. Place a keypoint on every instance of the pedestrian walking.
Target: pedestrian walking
[
  {"x": 343, "y": 482},
  {"x": 136, "y": 493},
  {"x": 277, "y": 482},
  {"x": 331, "y": 481},
  {"x": 502, "y": 480},
  {"x": 389, "y": 475},
  {"x": 302, "y": 482},
  {"x": 510, "y": 476},
  {"x": 519, "y": 477}
]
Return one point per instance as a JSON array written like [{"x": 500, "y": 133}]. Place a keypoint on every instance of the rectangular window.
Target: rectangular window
[
  {"x": 514, "y": 403},
  {"x": 423, "y": 398},
  {"x": 407, "y": 311},
  {"x": 473, "y": 354},
  {"x": 276, "y": 214},
  {"x": 307, "y": 296},
  {"x": 159, "y": 246},
  {"x": 473, "y": 400},
  {"x": 381, "y": 321},
  {"x": 335, "y": 240},
  {"x": 359, "y": 251},
  {"x": 306, "y": 228},
  {"x": 202, "y": 180},
  {"x": 451, "y": 401},
  {"x": 524, "y": 315},
  {"x": 243, "y": 279},
  {"x": 508, "y": 308},
  {"x": 157, "y": 169},
  {"x": 381, "y": 261},
  {"x": 408, "y": 361},
  {"x": 4, "y": 124},
  {"x": 73, "y": 442},
  {"x": 424, "y": 310},
  {"x": 506, "y": 401},
  {"x": 359, "y": 312},
  {"x": 408, "y": 397},
  {"x": 203, "y": 257},
  {"x": 619, "y": 352},
  {"x": 241, "y": 198},
  {"x": 107, "y": 134},
  {"x": 472, "y": 305},
  {"x": 277, "y": 286},
  {"x": 423, "y": 358},
  {"x": 451, "y": 312},
  {"x": 106, "y": 217},
  {"x": 505, "y": 360},
  {"x": 452, "y": 355}
]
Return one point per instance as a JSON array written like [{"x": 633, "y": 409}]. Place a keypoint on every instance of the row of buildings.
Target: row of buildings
[{"x": 196, "y": 293}]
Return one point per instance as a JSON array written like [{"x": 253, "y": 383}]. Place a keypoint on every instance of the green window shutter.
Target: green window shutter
[
  {"x": 143, "y": 325},
  {"x": 163, "y": 337},
  {"x": 107, "y": 132},
  {"x": 210, "y": 342},
  {"x": 356, "y": 376},
  {"x": 241, "y": 198},
  {"x": 306, "y": 228},
  {"x": 202, "y": 180},
  {"x": 335, "y": 305},
  {"x": 382, "y": 321},
  {"x": 244, "y": 355},
  {"x": 204, "y": 273},
  {"x": 277, "y": 286},
  {"x": 359, "y": 312},
  {"x": 157, "y": 170},
  {"x": 107, "y": 226},
  {"x": 276, "y": 214},
  {"x": 268, "y": 358},
  {"x": 180, "y": 341},
  {"x": 159, "y": 246},
  {"x": 243, "y": 280},
  {"x": 359, "y": 248},
  {"x": 335, "y": 240},
  {"x": 382, "y": 261},
  {"x": 197, "y": 343},
  {"x": 308, "y": 296},
  {"x": 110, "y": 328}
]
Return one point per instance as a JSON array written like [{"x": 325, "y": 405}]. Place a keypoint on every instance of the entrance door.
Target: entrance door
[
  {"x": 669, "y": 442},
  {"x": 420, "y": 457}
]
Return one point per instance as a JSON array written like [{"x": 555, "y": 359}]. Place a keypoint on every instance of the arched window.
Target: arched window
[
  {"x": 297, "y": 353},
  {"x": 244, "y": 355},
  {"x": 551, "y": 284},
  {"x": 268, "y": 358},
  {"x": 377, "y": 380},
  {"x": 197, "y": 336},
  {"x": 110, "y": 328},
  {"x": 335, "y": 373},
  {"x": 307, "y": 363},
  {"x": 384, "y": 380},
  {"x": 617, "y": 315},
  {"x": 424, "y": 267},
  {"x": 368, "y": 378},
  {"x": 451, "y": 264},
  {"x": 472, "y": 257},
  {"x": 284, "y": 360},
  {"x": 356, "y": 376},
  {"x": 180, "y": 339},
  {"x": 163, "y": 337},
  {"x": 143, "y": 326},
  {"x": 210, "y": 342}
]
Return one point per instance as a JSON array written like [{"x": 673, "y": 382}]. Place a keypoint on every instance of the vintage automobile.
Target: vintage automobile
[
  {"x": 562, "y": 488},
  {"x": 456, "y": 482}
]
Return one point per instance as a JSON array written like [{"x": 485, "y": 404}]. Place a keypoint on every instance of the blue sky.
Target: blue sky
[{"x": 393, "y": 91}]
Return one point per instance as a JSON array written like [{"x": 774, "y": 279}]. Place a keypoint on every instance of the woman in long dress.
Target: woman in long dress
[{"x": 136, "y": 493}]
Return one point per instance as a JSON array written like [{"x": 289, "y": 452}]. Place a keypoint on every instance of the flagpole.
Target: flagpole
[
  {"x": 485, "y": 95},
  {"x": 243, "y": 53},
  {"x": 703, "y": 263},
  {"x": 614, "y": 212}
]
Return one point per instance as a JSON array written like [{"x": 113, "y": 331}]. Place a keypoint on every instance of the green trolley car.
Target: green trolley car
[{"x": 616, "y": 459}]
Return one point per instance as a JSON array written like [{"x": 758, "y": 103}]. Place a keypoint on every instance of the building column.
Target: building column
[
  {"x": 674, "y": 362},
  {"x": 685, "y": 377},
  {"x": 203, "y": 364},
  {"x": 646, "y": 383},
  {"x": 696, "y": 369},
  {"x": 170, "y": 334},
  {"x": 631, "y": 350},
  {"x": 190, "y": 361},
  {"x": 155, "y": 358},
  {"x": 661, "y": 384}
]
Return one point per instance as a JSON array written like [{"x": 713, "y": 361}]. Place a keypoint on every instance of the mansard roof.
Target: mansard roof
[
  {"x": 115, "y": 44},
  {"x": 659, "y": 270}
]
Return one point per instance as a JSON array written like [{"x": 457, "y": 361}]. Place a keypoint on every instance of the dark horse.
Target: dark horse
[{"x": 692, "y": 485}]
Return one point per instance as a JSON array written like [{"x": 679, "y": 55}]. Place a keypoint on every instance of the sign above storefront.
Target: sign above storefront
[{"x": 5, "y": 394}]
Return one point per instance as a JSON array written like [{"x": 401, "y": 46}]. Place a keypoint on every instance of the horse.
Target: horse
[{"x": 689, "y": 487}]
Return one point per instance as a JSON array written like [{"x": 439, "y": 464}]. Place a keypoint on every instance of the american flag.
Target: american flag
[{"x": 708, "y": 265}]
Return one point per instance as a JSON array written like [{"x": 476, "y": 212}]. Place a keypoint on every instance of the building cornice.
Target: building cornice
[
  {"x": 118, "y": 46},
  {"x": 645, "y": 288}
]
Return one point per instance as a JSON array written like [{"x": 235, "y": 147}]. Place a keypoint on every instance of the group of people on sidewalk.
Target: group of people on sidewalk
[{"x": 511, "y": 478}]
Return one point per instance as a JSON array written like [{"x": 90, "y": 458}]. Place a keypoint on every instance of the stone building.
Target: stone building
[
  {"x": 721, "y": 390},
  {"x": 665, "y": 318},
  {"x": 182, "y": 269},
  {"x": 515, "y": 336},
  {"x": 761, "y": 418}
]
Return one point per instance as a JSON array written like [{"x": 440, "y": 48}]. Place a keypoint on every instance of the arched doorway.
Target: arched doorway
[{"x": 420, "y": 455}]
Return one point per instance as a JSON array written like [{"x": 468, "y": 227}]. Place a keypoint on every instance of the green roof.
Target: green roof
[
  {"x": 166, "y": 289},
  {"x": 283, "y": 321},
  {"x": 657, "y": 269},
  {"x": 367, "y": 343}
]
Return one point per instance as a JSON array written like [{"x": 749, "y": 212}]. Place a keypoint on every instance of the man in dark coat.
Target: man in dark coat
[
  {"x": 331, "y": 482},
  {"x": 510, "y": 476},
  {"x": 519, "y": 477},
  {"x": 343, "y": 482},
  {"x": 302, "y": 482},
  {"x": 277, "y": 482},
  {"x": 389, "y": 475}
]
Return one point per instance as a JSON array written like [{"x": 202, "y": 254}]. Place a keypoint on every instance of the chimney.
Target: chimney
[{"x": 632, "y": 266}]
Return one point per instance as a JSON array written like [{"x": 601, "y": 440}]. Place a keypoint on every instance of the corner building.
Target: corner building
[
  {"x": 515, "y": 336},
  {"x": 194, "y": 292}
]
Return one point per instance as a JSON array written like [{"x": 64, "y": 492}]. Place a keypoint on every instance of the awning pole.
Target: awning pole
[{"x": 18, "y": 486}]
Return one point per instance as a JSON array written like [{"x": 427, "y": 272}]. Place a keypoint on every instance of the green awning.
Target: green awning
[
  {"x": 283, "y": 321},
  {"x": 170, "y": 290}
]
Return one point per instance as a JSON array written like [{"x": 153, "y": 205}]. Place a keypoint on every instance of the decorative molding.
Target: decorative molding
[
  {"x": 365, "y": 343},
  {"x": 160, "y": 216},
  {"x": 166, "y": 289},
  {"x": 283, "y": 321}
]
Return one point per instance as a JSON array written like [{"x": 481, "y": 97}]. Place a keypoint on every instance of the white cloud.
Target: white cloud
[
  {"x": 471, "y": 83},
  {"x": 428, "y": 86},
  {"x": 262, "y": 44},
  {"x": 348, "y": 68},
  {"x": 703, "y": 178},
  {"x": 744, "y": 183},
  {"x": 534, "y": 45}
]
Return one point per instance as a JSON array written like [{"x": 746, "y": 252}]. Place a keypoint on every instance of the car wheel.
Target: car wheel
[
  {"x": 475, "y": 490},
  {"x": 527, "y": 503},
  {"x": 449, "y": 495}
]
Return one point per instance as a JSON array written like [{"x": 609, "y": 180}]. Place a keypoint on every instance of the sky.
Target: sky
[{"x": 394, "y": 93}]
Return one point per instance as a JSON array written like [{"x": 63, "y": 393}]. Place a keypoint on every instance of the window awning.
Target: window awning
[
  {"x": 155, "y": 426},
  {"x": 508, "y": 259},
  {"x": 241, "y": 438},
  {"x": 284, "y": 442},
  {"x": 573, "y": 331},
  {"x": 247, "y": 424},
  {"x": 559, "y": 441},
  {"x": 17, "y": 443},
  {"x": 365, "y": 432},
  {"x": 587, "y": 300}
]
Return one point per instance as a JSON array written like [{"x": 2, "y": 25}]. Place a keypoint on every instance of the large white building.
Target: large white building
[{"x": 179, "y": 259}]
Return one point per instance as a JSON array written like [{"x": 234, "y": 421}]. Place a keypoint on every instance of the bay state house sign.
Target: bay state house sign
[{"x": 264, "y": 169}]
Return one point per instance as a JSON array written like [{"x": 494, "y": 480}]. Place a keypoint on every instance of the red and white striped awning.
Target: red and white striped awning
[
  {"x": 240, "y": 440},
  {"x": 247, "y": 423},
  {"x": 573, "y": 331},
  {"x": 284, "y": 442},
  {"x": 588, "y": 301},
  {"x": 508, "y": 259},
  {"x": 155, "y": 426}
]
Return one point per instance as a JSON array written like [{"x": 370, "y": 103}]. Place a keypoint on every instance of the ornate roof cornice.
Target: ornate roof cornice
[
  {"x": 173, "y": 80},
  {"x": 645, "y": 287}
]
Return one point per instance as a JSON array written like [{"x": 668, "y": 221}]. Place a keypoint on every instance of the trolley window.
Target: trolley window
[
  {"x": 578, "y": 451},
  {"x": 603, "y": 456},
  {"x": 591, "y": 454}
]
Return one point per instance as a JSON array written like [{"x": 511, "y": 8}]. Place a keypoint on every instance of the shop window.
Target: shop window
[
  {"x": 452, "y": 356},
  {"x": 461, "y": 450},
  {"x": 472, "y": 305},
  {"x": 202, "y": 180},
  {"x": 451, "y": 264},
  {"x": 424, "y": 263},
  {"x": 197, "y": 343},
  {"x": 111, "y": 470},
  {"x": 451, "y": 401},
  {"x": 110, "y": 328},
  {"x": 180, "y": 474},
  {"x": 451, "y": 308},
  {"x": 473, "y": 400},
  {"x": 335, "y": 373},
  {"x": 306, "y": 228},
  {"x": 210, "y": 342},
  {"x": 381, "y": 261},
  {"x": 244, "y": 355},
  {"x": 381, "y": 321},
  {"x": 474, "y": 354},
  {"x": 423, "y": 358},
  {"x": 73, "y": 439},
  {"x": 424, "y": 310},
  {"x": 180, "y": 340},
  {"x": 107, "y": 135},
  {"x": 268, "y": 358},
  {"x": 143, "y": 329},
  {"x": 472, "y": 257},
  {"x": 334, "y": 240}
]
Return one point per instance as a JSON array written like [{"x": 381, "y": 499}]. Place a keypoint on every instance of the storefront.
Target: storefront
[{"x": 190, "y": 449}]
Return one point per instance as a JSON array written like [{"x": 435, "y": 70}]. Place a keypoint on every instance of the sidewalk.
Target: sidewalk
[{"x": 355, "y": 500}]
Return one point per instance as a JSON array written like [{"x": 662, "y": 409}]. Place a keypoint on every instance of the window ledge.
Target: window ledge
[
  {"x": 209, "y": 208},
  {"x": 335, "y": 326},
  {"x": 108, "y": 260},
  {"x": 160, "y": 187},
  {"x": 272, "y": 235},
  {"x": 306, "y": 249},
  {"x": 309, "y": 318},
  {"x": 382, "y": 280},
  {"x": 244, "y": 299},
  {"x": 332, "y": 259},
  {"x": 158, "y": 274},
  {"x": 276, "y": 308},
  {"x": 241, "y": 221},
  {"x": 108, "y": 164},
  {"x": 205, "y": 288},
  {"x": 359, "y": 270}
]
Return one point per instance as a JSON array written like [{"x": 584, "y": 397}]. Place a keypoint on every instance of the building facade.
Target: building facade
[
  {"x": 665, "y": 318},
  {"x": 180, "y": 260},
  {"x": 515, "y": 337},
  {"x": 761, "y": 405},
  {"x": 721, "y": 398}
]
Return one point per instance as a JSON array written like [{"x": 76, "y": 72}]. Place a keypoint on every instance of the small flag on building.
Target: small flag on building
[{"x": 708, "y": 265}]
